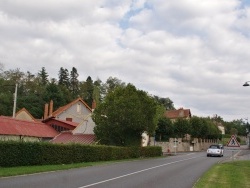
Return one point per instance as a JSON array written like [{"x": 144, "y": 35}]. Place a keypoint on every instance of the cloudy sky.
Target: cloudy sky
[{"x": 194, "y": 52}]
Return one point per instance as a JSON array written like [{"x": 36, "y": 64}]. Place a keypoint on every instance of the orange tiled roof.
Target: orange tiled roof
[
  {"x": 11, "y": 126},
  {"x": 180, "y": 113},
  {"x": 63, "y": 108},
  {"x": 67, "y": 137}
]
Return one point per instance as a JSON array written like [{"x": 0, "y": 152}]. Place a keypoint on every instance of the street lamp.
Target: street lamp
[
  {"x": 246, "y": 83},
  {"x": 248, "y": 127}
]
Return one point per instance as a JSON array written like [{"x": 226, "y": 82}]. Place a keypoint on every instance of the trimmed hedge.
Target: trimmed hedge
[{"x": 44, "y": 153}]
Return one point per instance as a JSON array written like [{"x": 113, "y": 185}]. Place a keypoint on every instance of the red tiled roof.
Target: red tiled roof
[
  {"x": 11, "y": 126},
  {"x": 67, "y": 137},
  {"x": 52, "y": 119},
  {"x": 63, "y": 108},
  {"x": 180, "y": 113}
]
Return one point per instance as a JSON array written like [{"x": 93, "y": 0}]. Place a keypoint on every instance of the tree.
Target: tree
[
  {"x": 199, "y": 127},
  {"x": 181, "y": 127},
  {"x": 43, "y": 77},
  {"x": 97, "y": 92},
  {"x": 63, "y": 77},
  {"x": 1, "y": 67},
  {"x": 86, "y": 90},
  {"x": 74, "y": 82},
  {"x": 239, "y": 125},
  {"x": 166, "y": 102},
  {"x": 213, "y": 131},
  {"x": 111, "y": 84},
  {"x": 124, "y": 115},
  {"x": 164, "y": 129},
  {"x": 53, "y": 92}
]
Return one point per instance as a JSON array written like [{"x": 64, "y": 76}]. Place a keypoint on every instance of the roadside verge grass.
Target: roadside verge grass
[
  {"x": 24, "y": 170},
  {"x": 21, "y": 170},
  {"x": 225, "y": 175}
]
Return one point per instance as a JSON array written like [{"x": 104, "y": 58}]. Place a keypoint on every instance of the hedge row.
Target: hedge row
[{"x": 41, "y": 153}]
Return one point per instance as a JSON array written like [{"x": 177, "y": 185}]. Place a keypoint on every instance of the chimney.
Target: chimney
[
  {"x": 50, "y": 108},
  {"x": 46, "y": 109},
  {"x": 93, "y": 105}
]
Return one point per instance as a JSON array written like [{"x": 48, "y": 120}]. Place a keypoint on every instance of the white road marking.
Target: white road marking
[{"x": 100, "y": 182}]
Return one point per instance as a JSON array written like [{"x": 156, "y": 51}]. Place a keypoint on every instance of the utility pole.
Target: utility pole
[{"x": 15, "y": 99}]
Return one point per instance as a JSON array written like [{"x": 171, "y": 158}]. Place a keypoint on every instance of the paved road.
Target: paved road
[{"x": 180, "y": 171}]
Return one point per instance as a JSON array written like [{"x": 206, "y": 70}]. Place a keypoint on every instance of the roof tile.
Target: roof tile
[{"x": 67, "y": 137}]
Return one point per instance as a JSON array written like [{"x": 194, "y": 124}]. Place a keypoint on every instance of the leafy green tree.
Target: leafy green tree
[
  {"x": 165, "y": 129},
  {"x": 124, "y": 114},
  {"x": 99, "y": 91},
  {"x": 213, "y": 131},
  {"x": 196, "y": 127},
  {"x": 181, "y": 128},
  {"x": 238, "y": 124},
  {"x": 111, "y": 84},
  {"x": 33, "y": 103},
  {"x": 166, "y": 102}
]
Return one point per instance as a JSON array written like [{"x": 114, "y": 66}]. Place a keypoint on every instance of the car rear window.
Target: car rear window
[{"x": 214, "y": 147}]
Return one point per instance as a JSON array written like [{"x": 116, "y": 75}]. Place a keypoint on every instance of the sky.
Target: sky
[{"x": 191, "y": 51}]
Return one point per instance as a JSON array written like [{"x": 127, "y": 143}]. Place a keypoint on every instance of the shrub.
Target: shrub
[{"x": 36, "y": 153}]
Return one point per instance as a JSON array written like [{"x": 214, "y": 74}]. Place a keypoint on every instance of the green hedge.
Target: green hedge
[{"x": 41, "y": 153}]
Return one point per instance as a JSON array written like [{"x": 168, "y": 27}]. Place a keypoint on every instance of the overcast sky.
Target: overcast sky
[{"x": 196, "y": 52}]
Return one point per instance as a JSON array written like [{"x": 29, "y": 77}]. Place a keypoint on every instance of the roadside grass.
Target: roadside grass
[
  {"x": 226, "y": 175},
  {"x": 23, "y": 170}
]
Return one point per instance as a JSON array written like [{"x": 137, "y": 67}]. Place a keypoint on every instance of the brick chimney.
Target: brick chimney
[
  {"x": 46, "y": 110},
  {"x": 93, "y": 105},
  {"x": 50, "y": 108}
]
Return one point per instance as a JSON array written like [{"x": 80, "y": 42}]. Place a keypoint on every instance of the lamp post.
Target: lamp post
[
  {"x": 15, "y": 99},
  {"x": 246, "y": 84},
  {"x": 247, "y": 129}
]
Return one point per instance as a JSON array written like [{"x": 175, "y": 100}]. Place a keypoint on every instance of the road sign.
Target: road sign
[{"x": 233, "y": 142}]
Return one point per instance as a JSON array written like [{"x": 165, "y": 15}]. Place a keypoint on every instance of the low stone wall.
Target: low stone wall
[{"x": 178, "y": 145}]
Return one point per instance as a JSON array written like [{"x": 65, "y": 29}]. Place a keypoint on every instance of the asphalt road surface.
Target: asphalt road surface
[{"x": 180, "y": 171}]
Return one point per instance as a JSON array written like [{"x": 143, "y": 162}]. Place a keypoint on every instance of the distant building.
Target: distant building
[{"x": 180, "y": 113}]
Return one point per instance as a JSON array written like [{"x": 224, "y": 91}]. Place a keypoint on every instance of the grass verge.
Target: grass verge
[
  {"x": 225, "y": 175},
  {"x": 22, "y": 170}
]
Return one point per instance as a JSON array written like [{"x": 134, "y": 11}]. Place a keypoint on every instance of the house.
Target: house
[
  {"x": 73, "y": 121},
  {"x": 180, "y": 113},
  {"x": 25, "y": 130},
  {"x": 73, "y": 116},
  {"x": 23, "y": 114}
]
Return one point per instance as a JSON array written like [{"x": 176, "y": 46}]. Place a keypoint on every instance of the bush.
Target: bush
[{"x": 36, "y": 153}]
